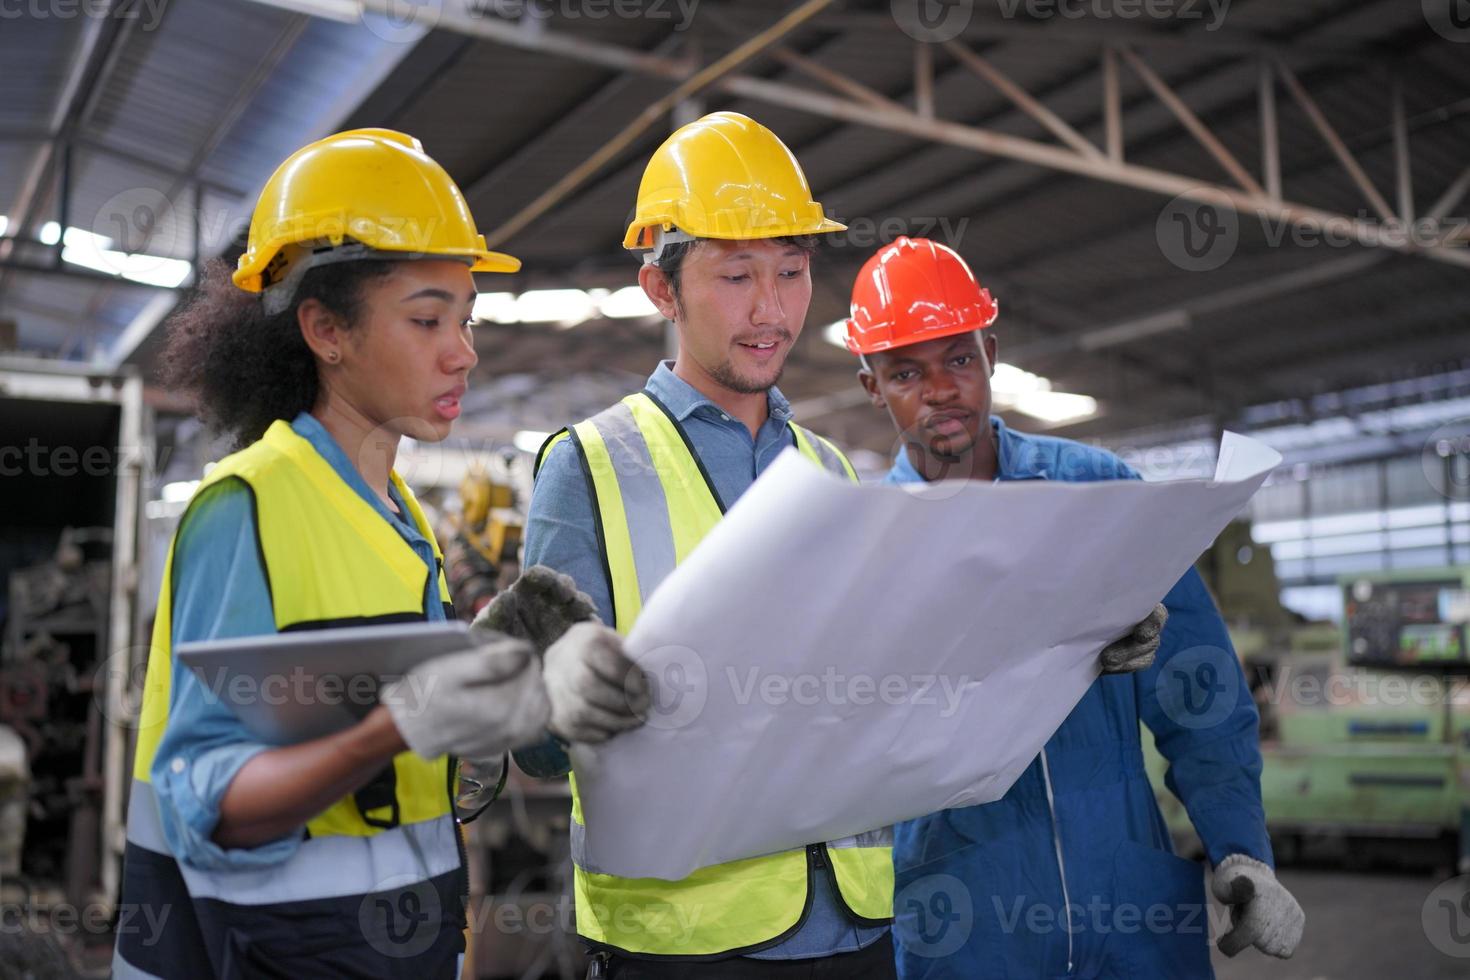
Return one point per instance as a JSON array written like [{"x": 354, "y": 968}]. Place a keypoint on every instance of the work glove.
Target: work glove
[
  {"x": 1263, "y": 914},
  {"x": 538, "y": 607},
  {"x": 595, "y": 690},
  {"x": 476, "y": 704},
  {"x": 1136, "y": 650}
]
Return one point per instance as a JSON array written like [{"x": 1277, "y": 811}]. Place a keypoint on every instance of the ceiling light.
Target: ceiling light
[
  {"x": 1011, "y": 380},
  {"x": 627, "y": 303},
  {"x": 495, "y": 307},
  {"x": 1055, "y": 406},
  {"x": 567, "y": 307},
  {"x": 530, "y": 441}
]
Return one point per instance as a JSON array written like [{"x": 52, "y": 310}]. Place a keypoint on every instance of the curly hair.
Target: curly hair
[{"x": 246, "y": 369}]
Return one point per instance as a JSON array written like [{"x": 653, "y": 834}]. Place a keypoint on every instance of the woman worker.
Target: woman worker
[{"x": 345, "y": 329}]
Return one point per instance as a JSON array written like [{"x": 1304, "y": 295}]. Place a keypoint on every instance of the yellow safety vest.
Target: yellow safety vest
[
  {"x": 379, "y": 882},
  {"x": 653, "y": 503}
]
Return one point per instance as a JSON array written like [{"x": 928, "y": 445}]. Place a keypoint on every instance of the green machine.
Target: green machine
[{"x": 1365, "y": 728}]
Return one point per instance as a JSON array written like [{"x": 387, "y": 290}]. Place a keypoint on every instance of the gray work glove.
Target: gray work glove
[
  {"x": 1263, "y": 913},
  {"x": 595, "y": 690},
  {"x": 540, "y": 606},
  {"x": 476, "y": 704},
  {"x": 1136, "y": 650}
]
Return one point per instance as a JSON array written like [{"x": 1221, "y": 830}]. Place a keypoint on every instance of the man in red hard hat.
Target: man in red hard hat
[{"x": 1071, "y": 873}]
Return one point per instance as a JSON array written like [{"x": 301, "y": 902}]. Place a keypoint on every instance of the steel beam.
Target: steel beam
[
  {"x": 1270, "y": 134},
  {"x": 1023, "y": 100},
  {"x": 691, "y": 86},
  {"x": 1192, "y": 123},
  {"x": 910, "y": 124},
  {"x": 1405, "y": 181},
  {"x": 1112, "y": 105},
  {"x": 924, "y": 80},
  {"x": 1334, "y": 142},
  {"x": 79, "y": 68}
]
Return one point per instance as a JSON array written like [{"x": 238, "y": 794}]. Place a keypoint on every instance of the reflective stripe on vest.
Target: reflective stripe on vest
[
  {"x": 390, "y": 849},
  {"x": 653, "y": 503}
]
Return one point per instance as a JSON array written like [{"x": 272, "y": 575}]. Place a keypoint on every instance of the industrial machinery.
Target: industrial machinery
[
  {"x": 484, "y": 539},
  {"x": 75, "y": 448},
  {"x": 1365, "y": 728}
]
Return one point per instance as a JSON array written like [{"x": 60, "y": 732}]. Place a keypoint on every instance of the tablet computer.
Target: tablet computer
[{"x": 295, "y": 686}]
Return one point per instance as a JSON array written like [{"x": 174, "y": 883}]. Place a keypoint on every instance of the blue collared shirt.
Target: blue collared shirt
[
  {"x": 561, "y": 533},
  {"x": 220, "y": 591}
]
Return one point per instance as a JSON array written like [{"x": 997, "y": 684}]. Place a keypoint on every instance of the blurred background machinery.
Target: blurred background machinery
[
  {"x": 77, "y": 451},
  {"x": 481, "y": 539},
  {"x": 1365, "y": 725}
]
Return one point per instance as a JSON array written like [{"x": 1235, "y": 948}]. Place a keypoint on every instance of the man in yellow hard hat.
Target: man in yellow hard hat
[{"x": 726, "y": 215}]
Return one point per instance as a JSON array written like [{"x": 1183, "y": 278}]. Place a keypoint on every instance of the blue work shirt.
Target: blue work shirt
[
  {"x": 220, "y": 591},
  {"x": 979, "y": 890},
  {"x": 561, "y": 533}
]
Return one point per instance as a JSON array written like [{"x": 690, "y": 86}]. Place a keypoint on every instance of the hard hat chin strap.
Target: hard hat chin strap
[{"x": 662, "y": 239}]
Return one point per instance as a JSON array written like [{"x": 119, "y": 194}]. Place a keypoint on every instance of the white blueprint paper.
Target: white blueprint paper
[{"x": 835, "y": 658}]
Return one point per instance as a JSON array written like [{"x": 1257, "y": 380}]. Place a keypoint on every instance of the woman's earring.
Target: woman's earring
[{"x": 332, "y": 356}]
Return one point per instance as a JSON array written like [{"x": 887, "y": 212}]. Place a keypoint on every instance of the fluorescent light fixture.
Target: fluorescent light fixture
[
  {"x": 1055, "y": 406},
  {"x": 495, "y": 307},
  {"x": 1031, "y": 394},
  {"x": 92, "y": 251},
  {"x": 1011, "y": 380},
  {"x": 529, "y": 440},
  {"x": 179, "y": 492},
  {"x": 146, "y": 270},
  {"x": 835, "y": 333},
  {"x": 628, "y": 303},
  {"x": 564, "y": 306},
  {"x": 4, "y": 223},
  {"x": 343, "y": 11}
]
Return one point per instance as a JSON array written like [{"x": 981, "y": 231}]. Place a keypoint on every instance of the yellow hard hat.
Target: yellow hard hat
[
  {"x": 725, "y": 176},
  {"x": 375, "y": 187}
]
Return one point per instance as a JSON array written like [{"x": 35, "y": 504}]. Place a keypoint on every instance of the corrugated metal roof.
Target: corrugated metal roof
[{"x": 1064, "y": 253}]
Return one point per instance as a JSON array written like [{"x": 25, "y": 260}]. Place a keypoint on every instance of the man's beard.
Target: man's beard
[{"x": 728, "y": 377}]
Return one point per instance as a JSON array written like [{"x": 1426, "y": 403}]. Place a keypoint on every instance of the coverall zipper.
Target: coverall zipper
[{"x": 1056, "y": 839}]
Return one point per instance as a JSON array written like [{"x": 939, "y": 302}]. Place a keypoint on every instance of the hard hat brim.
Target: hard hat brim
[
  {"x": 640, "y": 235},
  {"x": 938, "y": 333},
  {"x": 248, "y": 276}
]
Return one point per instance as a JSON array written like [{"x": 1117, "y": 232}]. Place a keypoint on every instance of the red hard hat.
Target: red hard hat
[{"x": 913, "y": 290}]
